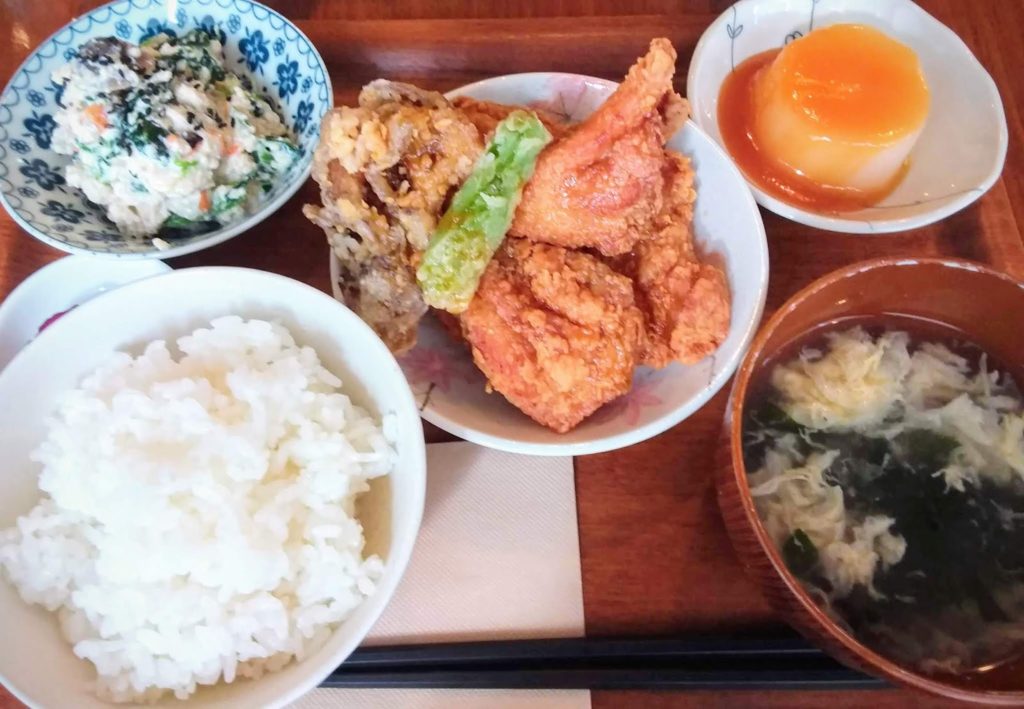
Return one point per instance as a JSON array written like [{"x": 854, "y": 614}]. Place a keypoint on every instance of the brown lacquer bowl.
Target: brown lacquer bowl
[{"x": 988, "y": 307}]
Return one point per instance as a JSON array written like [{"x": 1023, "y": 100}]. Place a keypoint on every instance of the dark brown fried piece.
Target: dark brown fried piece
[
  {"x": 556, "y": 331},
  {"x": 684, "y": 300},
  {"x": 601, "y": 186},
  {"x": 385, "y": 169}
]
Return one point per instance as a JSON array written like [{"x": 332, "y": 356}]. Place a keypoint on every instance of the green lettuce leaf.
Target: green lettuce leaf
[{"x": 481, "y": 213}]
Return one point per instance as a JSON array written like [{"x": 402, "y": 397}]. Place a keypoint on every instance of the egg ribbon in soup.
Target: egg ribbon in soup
[{"x": 889, "y": 470}]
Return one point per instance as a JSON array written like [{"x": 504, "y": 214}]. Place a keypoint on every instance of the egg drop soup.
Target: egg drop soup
[{"x": 886, "y": 462}]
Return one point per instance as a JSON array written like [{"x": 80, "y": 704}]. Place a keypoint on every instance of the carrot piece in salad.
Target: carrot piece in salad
[
  {"x": 204, "y": 201},
  {"x": 228, "y": 146},
  {"x": 95, "y": 113}
]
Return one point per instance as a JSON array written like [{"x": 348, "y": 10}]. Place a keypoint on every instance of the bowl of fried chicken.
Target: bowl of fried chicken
[{"x": 564, "y": 265}]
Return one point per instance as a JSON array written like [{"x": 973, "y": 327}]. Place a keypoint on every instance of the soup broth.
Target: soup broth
[{"x": 886, "y": 459}]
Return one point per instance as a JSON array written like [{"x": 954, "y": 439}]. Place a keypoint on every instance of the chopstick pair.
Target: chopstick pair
[{"x": 601, "y": 663}]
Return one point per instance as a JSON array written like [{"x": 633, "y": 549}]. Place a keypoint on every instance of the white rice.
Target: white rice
[{"x": 198, "y": 518}]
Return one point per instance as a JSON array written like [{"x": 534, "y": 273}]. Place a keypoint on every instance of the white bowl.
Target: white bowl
[
  {"x": 36, "y": 663},
  {"x": 450, "y": 388},
  {"x": 258, "y": 42},
  {"x": 958, "y": 157},
  {"x": 58, "y": 287}
]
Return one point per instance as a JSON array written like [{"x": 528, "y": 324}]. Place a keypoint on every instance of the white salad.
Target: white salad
[{"x": 163, "y": 136}]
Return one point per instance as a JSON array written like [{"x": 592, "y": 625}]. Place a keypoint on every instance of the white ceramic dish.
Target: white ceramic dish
[
  {"x": 36, "y": 664},
  {"x": 449, "y": 387},
  {"x": 58, "y": 287},
  {"x": 959, "y": 155}
]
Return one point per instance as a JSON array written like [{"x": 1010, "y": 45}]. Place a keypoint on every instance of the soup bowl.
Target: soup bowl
[{"x": 981, "y": 303}]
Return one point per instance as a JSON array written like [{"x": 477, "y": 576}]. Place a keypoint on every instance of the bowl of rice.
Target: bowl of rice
[
  {"x": 150, "y": 130},
  {"x": 213, "y": 481}
]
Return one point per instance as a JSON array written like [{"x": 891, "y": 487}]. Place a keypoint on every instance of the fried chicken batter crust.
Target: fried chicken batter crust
[
  {"x": 602, "y": 185},
  {"x": 685, "y": 300},
  {"x": 385, "y": 169},
  {"x": 556, "y": 331}
]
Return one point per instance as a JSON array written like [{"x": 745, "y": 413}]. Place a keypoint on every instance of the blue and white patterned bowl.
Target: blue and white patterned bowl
[{"x": 258, "y": 42}]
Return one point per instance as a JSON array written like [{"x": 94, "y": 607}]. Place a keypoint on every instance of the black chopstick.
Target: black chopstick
[
  {"x": 580, "y": 649},
  {"x": 601, "y": 663},
  {"x": 606, "y": 678}
]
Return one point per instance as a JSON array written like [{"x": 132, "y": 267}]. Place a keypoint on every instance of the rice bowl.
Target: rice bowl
[
  {"x": 389, "y": 512},
  {"x": 199, "y": 522}
]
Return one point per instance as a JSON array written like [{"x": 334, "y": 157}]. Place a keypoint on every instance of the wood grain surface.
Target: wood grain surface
[{"x": 655, "y": 556}]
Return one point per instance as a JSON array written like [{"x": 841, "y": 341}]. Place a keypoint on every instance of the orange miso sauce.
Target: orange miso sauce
[{"x": 843, "y": 102}]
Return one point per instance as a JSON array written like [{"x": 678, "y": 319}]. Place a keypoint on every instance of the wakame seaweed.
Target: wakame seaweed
[
  {"x": 886, "y": 459},
  {"x": 962, "y": 546},
  {"x": 799, "y": 553}
]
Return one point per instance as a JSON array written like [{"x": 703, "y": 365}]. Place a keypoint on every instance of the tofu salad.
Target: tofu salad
[{"x": 164, "y": 137}]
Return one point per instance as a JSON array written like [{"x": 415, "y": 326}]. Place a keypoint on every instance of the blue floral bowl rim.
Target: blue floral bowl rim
[{"x": 217, "y": 236}]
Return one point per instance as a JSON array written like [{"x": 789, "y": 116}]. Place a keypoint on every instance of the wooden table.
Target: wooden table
[{"x": 654, "y": 552}]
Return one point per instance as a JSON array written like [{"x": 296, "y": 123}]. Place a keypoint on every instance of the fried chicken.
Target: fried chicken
[
  {"x": 599, "y": 273},
  {"x": 556, "y": 331},
  {"x": 485, "y": 115},
  {"x": 385, "y": 169},
  {"x": 602, "y": 185},
  {"x": 685, "y": 302}
]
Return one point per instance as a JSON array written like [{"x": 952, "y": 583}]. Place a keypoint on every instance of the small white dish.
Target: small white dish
[
  {"x": 36, "y": 664},
  {"x": 451, "y": 390},
  {"x": 958, "y": 157},
  {"x": 58, "y": 287}
]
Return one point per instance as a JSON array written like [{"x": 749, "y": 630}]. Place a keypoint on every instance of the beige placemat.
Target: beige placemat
[{"x": 497, "y": 557}]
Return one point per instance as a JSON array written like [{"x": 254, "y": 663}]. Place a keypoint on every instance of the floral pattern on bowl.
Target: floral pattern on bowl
[
  {"x": 257, "y": 41},
  {"x": 452, "y": 393},
  {"x": 961, "y": 151}
]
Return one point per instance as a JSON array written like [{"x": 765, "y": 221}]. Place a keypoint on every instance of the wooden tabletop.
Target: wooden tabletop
[{"x": 654, "y": 553}]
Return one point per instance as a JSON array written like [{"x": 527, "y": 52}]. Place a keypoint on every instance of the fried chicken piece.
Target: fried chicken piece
[
  {"x": 385, "y": 169},
  {"x": 601, "y": 186},
  {"x": 685, "y": 302},
  {"x": 556, "y": 331},
  {"x": 485, "y": 115}
]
